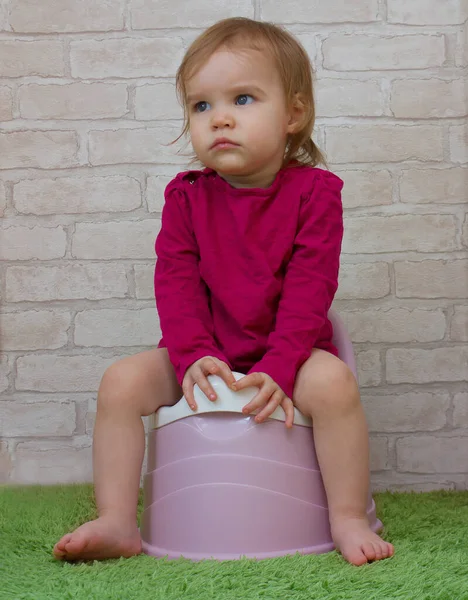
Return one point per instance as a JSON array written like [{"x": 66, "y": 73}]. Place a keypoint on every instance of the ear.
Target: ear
[{"x": 297, "y": 112}]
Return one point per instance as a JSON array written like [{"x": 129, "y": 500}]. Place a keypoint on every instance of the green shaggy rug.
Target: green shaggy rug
[{"x": 430, "y": 533}]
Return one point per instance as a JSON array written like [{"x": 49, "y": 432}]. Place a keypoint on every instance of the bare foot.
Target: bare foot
[
  {"x": 106, "y": 537},
  {"x": 358, "y": 543}
]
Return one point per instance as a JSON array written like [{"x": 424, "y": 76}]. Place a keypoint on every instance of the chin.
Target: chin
[{"x": 231, "y": 168}]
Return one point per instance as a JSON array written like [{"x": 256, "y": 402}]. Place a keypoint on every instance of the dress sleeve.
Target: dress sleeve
[
  {"x": 181, "y": 294},
  {"x": 310, "y": 283}
]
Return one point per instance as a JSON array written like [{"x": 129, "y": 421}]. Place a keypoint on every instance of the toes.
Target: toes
[
  {"x": 76, "y": 545},
  {"x": 386, "y": 550},
  {"x": 57, "y": 552},
  {"x": 60, "y": 545},
  {"x": 355, "y": 556},
  {"x": 369, "y": 550},
  {"x": 59, "y": 548},
  {"x": 378, "y": 551}
]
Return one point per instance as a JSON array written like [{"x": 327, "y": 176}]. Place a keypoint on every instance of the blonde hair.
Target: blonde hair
[{"x": 291, "y": 60}]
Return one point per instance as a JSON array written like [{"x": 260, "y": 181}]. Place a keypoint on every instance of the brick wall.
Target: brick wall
[{"x": 87, "y": 108}]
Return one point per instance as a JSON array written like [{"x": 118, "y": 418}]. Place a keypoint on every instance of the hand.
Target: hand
[
  {"x": 269, "y": 397},
  {"x": 197, "y": 373}
]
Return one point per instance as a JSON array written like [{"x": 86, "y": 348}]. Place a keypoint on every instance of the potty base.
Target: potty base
[{"x": 221, "y": 486}]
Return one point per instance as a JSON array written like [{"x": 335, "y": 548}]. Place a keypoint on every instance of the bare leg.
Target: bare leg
[
  {"x": 131, "y": 388},
  {"x": 327, "y": 391}
]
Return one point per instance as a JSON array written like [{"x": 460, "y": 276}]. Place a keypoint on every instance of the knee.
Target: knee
[
  {"x": 334, "y": 392},
  {"x": 119, "y": 383}
]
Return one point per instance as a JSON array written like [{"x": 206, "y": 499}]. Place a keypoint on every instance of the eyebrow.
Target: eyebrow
[{"x": 236, "y": 89}]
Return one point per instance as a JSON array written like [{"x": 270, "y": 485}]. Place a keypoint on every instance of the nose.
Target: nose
[{"x": 221, "y": 119}]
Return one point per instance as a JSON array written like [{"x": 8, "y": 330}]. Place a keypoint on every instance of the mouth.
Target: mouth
[{"x": 223, "y": 144}]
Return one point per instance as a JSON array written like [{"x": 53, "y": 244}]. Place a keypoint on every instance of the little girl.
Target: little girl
[{"x": 247, "y": 268}]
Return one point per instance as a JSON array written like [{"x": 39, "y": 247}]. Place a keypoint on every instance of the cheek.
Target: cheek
[
  {"x": 267, "y": 118},
  {"x": 195, "y": 135}
]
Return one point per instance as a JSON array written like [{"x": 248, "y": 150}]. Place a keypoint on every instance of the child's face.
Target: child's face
[{"x": 239, "y": 97}]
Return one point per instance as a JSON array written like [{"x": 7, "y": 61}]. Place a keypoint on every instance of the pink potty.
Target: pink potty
[{"x": 221, "y": 486}]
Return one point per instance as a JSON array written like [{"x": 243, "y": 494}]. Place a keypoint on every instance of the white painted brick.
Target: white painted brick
[
  {"x": 147, "y": 145},
  {"x": 438, "y": 186},
  {"x": 69, "y": 195},
  {"x": 386, "y": 143},
  {"x": 379, "y": 457},
  {"x": 55, "y": 373},
  {"x": 2, "y": 198},
  {"x": 41, "y": 419},
  {"x": 396, "y": 233},
  {"x": 459, "y": 325},
  {"x": 55, "y": 16},
  {"x": 309, "y": 43},
  {"x": 430, "y": 454},
  {"x": 40, "y": 57},
  {"x": 6, "y": 464},
  {"x": 158, "y": 101},
  {"x": 414, "y": 411},
  {"x": 91, "y": 415},
  {"x": 126, "y": 57},
  {"x": 405, "y": 482},
  {"x": 144, "y": 281},
  {"x": 73, "y": 101},
  {"x": 144, "y": 164},
  {"x": 432, "y": 279},
  {"x": 159, "y": 14},
  {"x": 365, "y": 188},
  {"x": 461, "y": 49},
  {"x": 367, "y": 52},
  {"x": 459, "y": 143},
  {"x": 415, "y": 365},
  {"x": 27, "y": 243},
  {"x": 34, "y": 329},
  {"x": 38, "y": 149},
  {"x": 42, "y": 398},
  {"x": 369, "y": 368},
  {"x": 347, "y": 97},
  {"x": 66, "y": 282},
  {"x": 422, "y": 12},
  {"x": 428, "y": 98},
  {"x": 155, "y": 192},
  {"x": 128, "y": 239},
  {"x": 460, "y": 410},
  {"x": 117, "y": 327},
  {"x": 4, "y": 15},
  {"x": 315, "y": 11},
  {"x": 5, "y": 370},
  {"x": 6, "y": 107},
  {"x": 366, "y": 280},
  {"x": 52, "y": 462},
  {"x": 395, "y": 325}
]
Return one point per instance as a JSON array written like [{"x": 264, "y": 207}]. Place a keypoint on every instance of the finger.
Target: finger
[
  {"x": 288, "y": 408},
  {"x": 187, "y": 388},
  {"x": 222, "y": 369},
  {"x": 254, "y": 379},
  {"x": 260, "y": 399},
  {"x": 204, "y": 384},
  {"x": 226, "y": 373},
  {"x": 209, "y": 365},
  {"x": 274, "y": 402}
]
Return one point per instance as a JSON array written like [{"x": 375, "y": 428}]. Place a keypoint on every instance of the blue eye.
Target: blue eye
[
  {"x": 244, "y": 99},
  {"x": 201, "y": 106}
]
